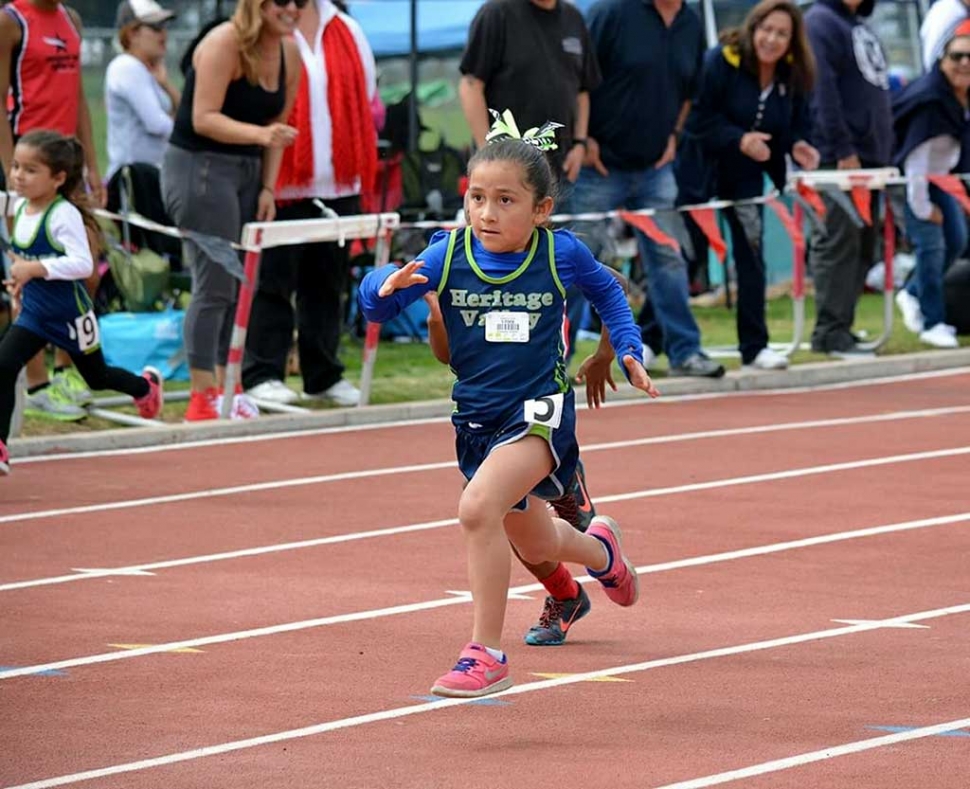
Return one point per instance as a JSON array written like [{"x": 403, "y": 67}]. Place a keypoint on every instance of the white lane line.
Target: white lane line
[
  {"x": 694, "y": 561},
  {"x": 393, "y": 470},
  {"x": 214, "y": 442},
  {"x": 531, "y": 687},
  {"x": 417, "y": 527},
  {"x": 822, "y": 755},
  {"x": 256, "y": 487},
  {"x": 148, "y": 569}
]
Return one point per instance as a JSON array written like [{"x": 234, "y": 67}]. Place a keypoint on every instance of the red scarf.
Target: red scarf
[{"x": 353, "y": 137}]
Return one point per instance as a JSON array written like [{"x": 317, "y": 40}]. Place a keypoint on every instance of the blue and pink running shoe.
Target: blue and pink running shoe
[{"x": 619, "y": 579}]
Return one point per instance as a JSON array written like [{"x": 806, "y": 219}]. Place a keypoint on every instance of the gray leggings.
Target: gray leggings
[{"x": 213, "y": 193}]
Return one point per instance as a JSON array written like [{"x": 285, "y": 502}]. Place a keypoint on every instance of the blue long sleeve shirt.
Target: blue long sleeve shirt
[{"x": 575, "y": 265}]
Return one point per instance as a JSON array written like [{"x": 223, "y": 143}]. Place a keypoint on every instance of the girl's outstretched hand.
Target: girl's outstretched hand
[
  {"x": 639, "y": 377},
  {"x": 596, "y": 371},
  {"x": 404, "y": 277}
]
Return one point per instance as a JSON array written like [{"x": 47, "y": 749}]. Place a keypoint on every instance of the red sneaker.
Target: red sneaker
[
  {"x": 150, "y": 406},
  {"x": 4, "y": 460},
  {"x": 476, "y": 673},
  {"x": 202, "y": 406},
  {"x": 619, "y": 580}
]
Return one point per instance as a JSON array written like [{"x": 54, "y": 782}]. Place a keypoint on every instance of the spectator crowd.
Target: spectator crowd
[{"x": 278, "y": 119}]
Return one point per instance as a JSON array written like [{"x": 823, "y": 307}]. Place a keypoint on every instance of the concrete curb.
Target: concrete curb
[{"x": 815, "y": 374}]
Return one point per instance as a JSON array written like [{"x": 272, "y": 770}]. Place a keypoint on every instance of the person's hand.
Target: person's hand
[
  {"x": 593, "y": 157},
  {"x": 404, "y": 277},
  {"x": 936, "y": 216},
  {"x": 597, "y": 371},
  {"x": 670, "y": 153},
  {"x": 805, "y": 155},
  {"x": 434, "y": 307},
  {"x": 277, "y": 135},
  {"x": 574, "y": 162},
  {"x": 754, "y": 145},
  {"x": 849, "y": 163},
  {"x": 639, "y": 377},
  {"x": 265, "y": 206},
  {"x": 99, "y": 195},
  {"x": 21, "y": 272},
  {"x": 159, "y": 71}
]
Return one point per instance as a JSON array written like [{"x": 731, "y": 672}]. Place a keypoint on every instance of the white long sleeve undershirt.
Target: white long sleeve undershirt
[{"x": 66, "y": 227}]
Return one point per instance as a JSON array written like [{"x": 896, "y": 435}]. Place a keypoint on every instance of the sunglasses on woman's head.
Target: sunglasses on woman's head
[
  {"x": 285, "y": 3},
  {"x": 958, "y": 57}
]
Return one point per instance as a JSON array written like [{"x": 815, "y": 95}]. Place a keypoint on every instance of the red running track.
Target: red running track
[{"x": 272, "y": 612}]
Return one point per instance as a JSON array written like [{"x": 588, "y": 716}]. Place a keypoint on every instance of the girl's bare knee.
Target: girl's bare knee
[{"x": 475, "y": 510}]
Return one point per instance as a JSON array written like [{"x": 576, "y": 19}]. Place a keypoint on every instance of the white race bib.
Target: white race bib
[
  {"x": 544, "y": 410},
  {"x": 507, "y": 326},
  {"x": 85, "y": 331}
]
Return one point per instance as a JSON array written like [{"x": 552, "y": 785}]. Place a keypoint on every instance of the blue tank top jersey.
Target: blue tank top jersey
[
  {"x": 505, "y": 333},
  {"x": 60, "y": 310},
  {"x": 473, "y": 283}
]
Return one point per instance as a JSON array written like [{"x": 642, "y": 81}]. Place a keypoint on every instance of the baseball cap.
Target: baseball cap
[{"x": 145, "y": 11}]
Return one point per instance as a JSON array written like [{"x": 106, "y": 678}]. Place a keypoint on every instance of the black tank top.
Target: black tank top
[{"x": 244, "y": 102}]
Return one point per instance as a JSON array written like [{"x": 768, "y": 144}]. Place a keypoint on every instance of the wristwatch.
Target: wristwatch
[{"x": 581, "y": 141}]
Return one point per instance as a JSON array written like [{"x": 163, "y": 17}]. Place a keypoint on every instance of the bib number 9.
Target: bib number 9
[{"x": 85, "y": 331}]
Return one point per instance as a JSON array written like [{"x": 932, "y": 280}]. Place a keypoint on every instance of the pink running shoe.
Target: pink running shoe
[
  {"x": 150, "y": 406},
  {"x": 4, "y": 460},
  {"x": 476, "y": 673},
  {"x": 619, "y": 580}
]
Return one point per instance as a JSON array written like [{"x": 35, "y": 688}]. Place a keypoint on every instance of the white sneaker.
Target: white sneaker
[
  {"x": 243, "y": 407},
  {"x": 949, "y": 328},
  {"x": 939, "y": 337},
  {"x": 273, "y": 392},
  {"x": 912, "y": 314},
  {"x": 649, "y": 357},
  {"x": 342, "y": 393},
  {"x": 768, "y": 359}
]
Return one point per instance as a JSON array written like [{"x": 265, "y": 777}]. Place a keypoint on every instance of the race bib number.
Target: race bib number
[
  {"x": 545, "y": 410},
  {"x": 85, "y": 331},
  {"x": 507, "y": 326}
]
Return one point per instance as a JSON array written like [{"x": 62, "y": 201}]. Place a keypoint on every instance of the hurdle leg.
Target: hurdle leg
[
  {"x": 798, "y": 284},
  {"x": 237, "y": 345},
  {"x": 889, "y": 286},
  {"x": 372, "y": 337}
]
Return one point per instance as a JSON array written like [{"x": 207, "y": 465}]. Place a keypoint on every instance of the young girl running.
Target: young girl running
[
  {"x": 50, "y": 257},
  {"x": 566, "y": 602},
  {"x": 501, "y": 284}
]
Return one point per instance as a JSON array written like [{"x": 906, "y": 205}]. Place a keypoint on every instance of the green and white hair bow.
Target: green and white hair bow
[{"x": 504, "y": 128}]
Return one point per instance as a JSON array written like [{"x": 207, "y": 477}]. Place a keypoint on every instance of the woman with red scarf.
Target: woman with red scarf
[{"x": 333, "y": 160}]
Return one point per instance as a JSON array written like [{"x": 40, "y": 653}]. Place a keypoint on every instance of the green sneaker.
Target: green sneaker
[
  {"x": 72, "y": 384},
  {"x": 52, "y": 403}
]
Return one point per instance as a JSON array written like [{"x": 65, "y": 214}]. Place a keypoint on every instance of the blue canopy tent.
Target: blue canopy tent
[
  {"x": 439, "y": 25},
  {"x": 413, "y": 28}
]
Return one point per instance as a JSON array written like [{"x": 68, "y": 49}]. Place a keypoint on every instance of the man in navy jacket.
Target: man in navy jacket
[{"x": 853, "y": 129}]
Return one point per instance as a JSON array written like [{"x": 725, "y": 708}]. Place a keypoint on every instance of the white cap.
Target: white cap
[{"x": 146, "y": 11}]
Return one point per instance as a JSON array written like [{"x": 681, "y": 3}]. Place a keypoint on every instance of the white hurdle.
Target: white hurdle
[
  {"x": 877, "y": 179},
  {"x": 257, "y": 236}
]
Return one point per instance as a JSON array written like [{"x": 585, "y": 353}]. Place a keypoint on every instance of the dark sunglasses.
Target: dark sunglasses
[
  {"x": 160, "y": 27},
  {"x": 285, "y": 3},
  {"x": 958, "y": 57}
]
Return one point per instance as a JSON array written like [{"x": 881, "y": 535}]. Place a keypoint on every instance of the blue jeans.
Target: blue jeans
[
  {"x": 936, "y": 246},
  {"x": 666, "y": 270}
]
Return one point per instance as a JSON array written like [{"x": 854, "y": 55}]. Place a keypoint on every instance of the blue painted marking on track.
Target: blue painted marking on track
[
  {"x": 49, "y": 673},
  {"x": 898, "y": 729},
  {"x": 480, "y": 702}
]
